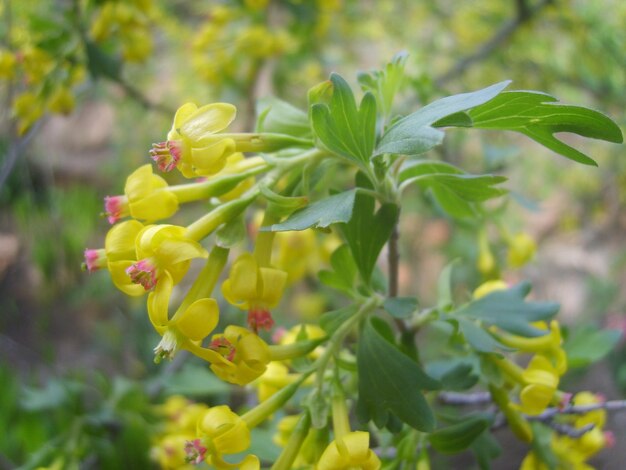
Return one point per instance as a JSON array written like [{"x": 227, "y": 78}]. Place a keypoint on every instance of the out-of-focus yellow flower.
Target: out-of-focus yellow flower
[
  {"x": 61, "y": 101},
  {"x": 161, "y": 249},
  {"x": 349, "y": 452},
  {"x": 193, "y": 144},
  {"x": 256, "y": 4},
  {"x": 596, "y": 417},
  {"x": 297, "y": 254},
  {"x": 522, "y": 249},
  {"x": 285, "y": 429},
  {"x": 275, "y": 377},
  {"x": 7, "y": 64},
  {"x": 232, "y": 165},
  {"x": 137, "y": 45},
  {"x": 254, "y": 288},
  {"x": 146, "y": 197},
  {"x": 257, "y": 41},
  {"x": 27, "y": 108},
  {"x": 37, "y": 64},
  {"x": 193, "y": 323},
  {"x": 542, "y": 380},
  {"x": 238, "y": 356},
  {"x": 489, "y": 287},
  {"x": 486, "y": 262},
  {"x": 311, "y": 331}
]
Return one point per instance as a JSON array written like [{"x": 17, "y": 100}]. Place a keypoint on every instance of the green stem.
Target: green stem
[
  {"x": 205, "y": 282},
  {"x": 341, "y": 422},
  {"x": 290, "y": 452},
  {"x": 337, "y": 338},
  {"x": 262, "y": 411}
]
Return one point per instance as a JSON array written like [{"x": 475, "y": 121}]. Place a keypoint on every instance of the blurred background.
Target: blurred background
[{"x": 88, "y": 85}]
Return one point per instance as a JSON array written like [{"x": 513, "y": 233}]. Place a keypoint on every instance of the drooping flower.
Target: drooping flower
[
  {"x": 489, "y": 287},
  {"x": 542, "y": 380},
  {"x": 193, "y": 144},
  {"x": 349, "y": 452},
  {"x": 146, "y": 197},
  {"x": 237, "y": 356},
  {"x": 118, "y": 254},
  {"x": 522, "y": 248},
  {"x": 221, "y": 432},
  {"x": 191, "y": 324},
  {"x": 254, "y": 288},
  {"x": 160, "y": 249}
]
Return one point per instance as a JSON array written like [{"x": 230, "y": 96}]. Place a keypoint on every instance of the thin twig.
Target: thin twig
[
  {"x": 570, "y": 431},
  {"x": 16, "y": 148},
  {"x": 613, "y": 405},
  {"x": 142, "y": 99},
  {"x": 393, "y": 258},
  {"x": 524, "y": 13},
  {"x": 463, "y": 399}
]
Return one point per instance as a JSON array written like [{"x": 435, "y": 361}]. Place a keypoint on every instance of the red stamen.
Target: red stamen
[
  {"x": 223, "y": 347},
  {"x": 260, "y": 318},
  {"x": 144, "y": 273},
  {"x": 167, "y": 154},
  {"x": 195, "y": 451}
]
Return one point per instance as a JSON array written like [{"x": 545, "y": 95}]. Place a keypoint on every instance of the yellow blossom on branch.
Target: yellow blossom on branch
[{"x": 349, "y": 452}]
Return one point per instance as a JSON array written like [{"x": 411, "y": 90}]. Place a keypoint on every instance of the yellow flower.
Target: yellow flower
[
  {"x": 191, "y": 324},
  {"x": 7, "y": 64},
  {"x": 27, "y": 108},
  {"x": 285, "y": 429},
  {"x": 192, "y": 144},
  {"x": 522, "y": 249},
  {"x": 238, "y": 356},
  {"x": 596, "y": 417},
  {"x": 163, "y": 249},
  {"x": 350, "y": 452},
  {"x": 220, "y": 431},
  {"x": 297, "y": 254},
  {"x": 61, "y": 101},
  {"x": 146, "y": 197},
  {"x": 254, "y": 288},
  {"x": 233, "y": 165},
  {"x": 311, "y": 332},
  {"x": 489, "y": 287},
  {"x": 541, "y": 380},
  {"x": 117, "y": 255},
  {"x": 275, "y": 377}
]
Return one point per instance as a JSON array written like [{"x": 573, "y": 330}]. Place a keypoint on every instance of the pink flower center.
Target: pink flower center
[
  {"x": 115, "y": 207},
  {"x": 223, "y": 347},
  {"x": 167, "y": 154},
  {"x": 144, "y": 273},
  {"x": 260, "y": 318},
  {"x": 194, "y": 451}
]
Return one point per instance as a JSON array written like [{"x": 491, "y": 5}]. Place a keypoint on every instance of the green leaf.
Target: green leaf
[
  {"x": 539, "y": 116},
  {"x": 486, "y": 448},
  {"x": 320, "y": 214},
  {"x": 475, "y": 188},
  {"x": 330, "y": 321},
  {"x": 480, "y": 339},
  {"x": 459, "y": 436},
  {"x": 454, "y": 374},
  {"x": 367, "y": 232},
  {"x": 587, "y": 344},
  {"x": 400, "y": 307},
  {"x": 508, "y": 310},
  {"x": 384, "y": 84},
  {"x": 100, "y": 64},
  {"x": 232, "y": 233},
  {"x": 390, "y": 382},
  {"x": 278, "y": 116},
  {"x": 342, "y": 128},
  {"x": 194, "y": 380},
  {"x": 444, "y": 286},
  {"x": 343, "y": 275},
  {"x": 414, "y": 134}
]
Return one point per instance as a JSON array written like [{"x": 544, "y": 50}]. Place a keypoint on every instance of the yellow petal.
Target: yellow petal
[
  {"x": 159, "y": 300},
  {"x": 182, "y": 115},
  {"x": 176, "y": 251},
  {"x": 251, "y": 462},
  {"x": 119, "y": 243},
  {"x": 227, "y": 431},
  {"x": 212, "y": 159},
  {"x": 272, "y": 285},
  {"x": 230, "y": 297},
  {"x": 535, "y": 398},
  {"x": 199, "y": 319},
  {"x": 207, "y": 121},
  {"x": 138, "y": 183},
  {"x": 244, "y": 278},
  {"x": 121, "y": 279},
  {"x": 158, "y": 205}
]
